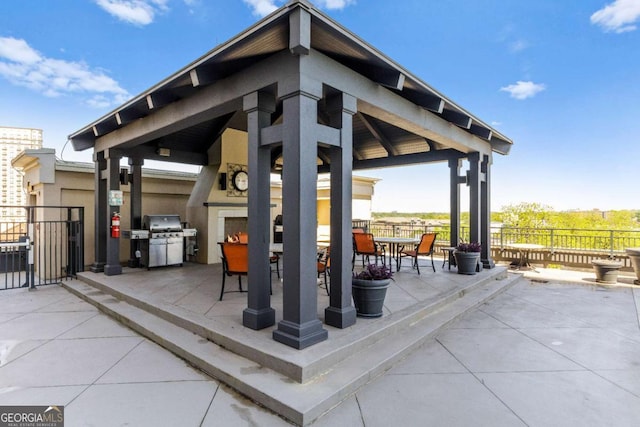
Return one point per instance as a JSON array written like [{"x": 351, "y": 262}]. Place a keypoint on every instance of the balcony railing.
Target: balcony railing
[{"x": 573, "y": 247}]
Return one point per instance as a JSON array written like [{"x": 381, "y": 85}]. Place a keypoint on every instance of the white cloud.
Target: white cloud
[
  {"x": 265, "y": 7},
  {"x": 523, "y": 90},
  {"x": 619, "y": 16},
  {"x": 18, "y": 50},
  {"x": 261, "y": 7},
  {"x": 518, "y": 46},
  {"x": 335, "y": 4},
  {"x": 137, "y": 12},
  {"x": 24, "y": 66}
]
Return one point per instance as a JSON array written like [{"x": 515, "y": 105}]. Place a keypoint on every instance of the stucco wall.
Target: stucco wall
[
  {"x": 198, "y": 199},
  {"x": 57, "y": 183}
]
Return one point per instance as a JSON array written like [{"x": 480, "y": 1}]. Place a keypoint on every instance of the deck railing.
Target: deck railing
[
  {"x": 574, "y": 247},
  {"x": 56, "y": 245}
]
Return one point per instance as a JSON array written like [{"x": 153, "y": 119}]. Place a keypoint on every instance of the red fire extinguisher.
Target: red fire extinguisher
[{"x": 115, "y": 225}]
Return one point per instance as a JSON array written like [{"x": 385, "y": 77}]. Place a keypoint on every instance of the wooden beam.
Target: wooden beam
[
  {"x": 481, "y": 131},
  {"x": 219, "y": 98},
  {"x": 409, "y": 159},
  {"x": 105, "y": 126},
  {"x": 390, "y": 107},
  {"x": 202, "y": 76},
  {"x": 128, "y": 115},
  {"x": 500, "y": 145},
  {"x": 432, "y": 103},
  {"x": 159, "y": 99},
  {"x": 392, "y": 79},
  {"x": 300, "y": 32},
  {"x": 457, "y": 118},
  {"x": 378, "y": 135},
  {"x": 324, "y": 157},
  {"x": 150, "y": 153}
]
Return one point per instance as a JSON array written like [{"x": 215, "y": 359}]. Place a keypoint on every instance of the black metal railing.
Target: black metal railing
[
  {"x": 46, "y": 245},
  {"x": 14, "y": 258},
  {"x": 571, "y": 246}
]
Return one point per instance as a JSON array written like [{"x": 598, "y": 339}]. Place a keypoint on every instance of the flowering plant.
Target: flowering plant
[
  {"x": 469, "y": 247},
  {"x": 374, "y": 272}
]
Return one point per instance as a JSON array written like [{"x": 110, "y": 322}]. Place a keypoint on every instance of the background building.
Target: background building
[
  {"x": 52, "y": 182},
  {"x": 12, "y": 192}
]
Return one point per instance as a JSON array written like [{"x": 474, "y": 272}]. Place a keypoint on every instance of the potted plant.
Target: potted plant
[
  {"x": 467, "y": 256},
  {"x": 369, "y": 287}
]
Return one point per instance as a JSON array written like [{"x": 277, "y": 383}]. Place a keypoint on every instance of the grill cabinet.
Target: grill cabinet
[{"x": 165, "y": 244}]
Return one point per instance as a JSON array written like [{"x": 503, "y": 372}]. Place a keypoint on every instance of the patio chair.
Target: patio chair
[
  {"x": 364, "y": 244},
  {"x": 424, "y": 248},
  {"x": 235, "y": 262},
  {"x": 275, "y": 259},
  {"x": 324, "y": 266}
]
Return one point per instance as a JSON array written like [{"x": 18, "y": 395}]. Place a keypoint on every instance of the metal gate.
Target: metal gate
[{"x": 42, "y": 247}]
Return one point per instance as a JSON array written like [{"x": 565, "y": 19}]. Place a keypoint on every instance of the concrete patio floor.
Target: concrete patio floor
[
  {"x": 558, "y": 350},
  {"x": 188, "y": 296}
]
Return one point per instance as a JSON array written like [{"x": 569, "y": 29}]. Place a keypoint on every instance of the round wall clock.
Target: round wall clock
[{"x": 240, "y": 180}]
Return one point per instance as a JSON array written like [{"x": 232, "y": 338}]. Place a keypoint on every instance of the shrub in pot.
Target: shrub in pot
[
  {"x": 467, "y": 256},
  {"x": 369, "y": 288}
]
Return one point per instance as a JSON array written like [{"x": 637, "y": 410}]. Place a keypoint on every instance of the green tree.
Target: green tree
[{"x": 527, "y": 215}]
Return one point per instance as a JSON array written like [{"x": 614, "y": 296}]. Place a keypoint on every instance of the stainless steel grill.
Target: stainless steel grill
[
  {"x": 162, "y": 241},
  {"x": 165, "y": 245}
]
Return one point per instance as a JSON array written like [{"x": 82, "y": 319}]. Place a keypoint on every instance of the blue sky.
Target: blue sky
[{"x": 561, "y": 78}]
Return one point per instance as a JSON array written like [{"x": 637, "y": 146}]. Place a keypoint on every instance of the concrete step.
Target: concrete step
[
  {"x": 341, "y": 375},
  {"x": 300, "y": 366}
]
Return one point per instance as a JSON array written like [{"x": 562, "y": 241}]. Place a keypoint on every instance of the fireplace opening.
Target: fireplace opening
[{"x": 234, "y": 225}]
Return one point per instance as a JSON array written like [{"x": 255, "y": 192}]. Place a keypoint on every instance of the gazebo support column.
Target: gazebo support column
[
  {"x": 454, "y": 195},
  {"x": 474, "y": 197},
  {"x": 100, "y": 215},
  {"x": 259, "y": 314},
  {"x": 112, "y": 266},
  {"x": 300, "y": 326},
  {"x": 341, "y": 313},
  {"x": 485, "y": 216},
  {"x": 136, "y": 207}
]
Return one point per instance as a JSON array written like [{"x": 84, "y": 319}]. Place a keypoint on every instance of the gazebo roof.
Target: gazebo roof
[{"x": 373, "y": 138}]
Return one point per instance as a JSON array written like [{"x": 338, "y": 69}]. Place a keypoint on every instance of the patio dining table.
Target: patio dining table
[{"x": 395, "y": 244}]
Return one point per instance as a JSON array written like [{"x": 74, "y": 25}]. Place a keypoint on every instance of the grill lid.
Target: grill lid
[{"x": 162, "y": 223}]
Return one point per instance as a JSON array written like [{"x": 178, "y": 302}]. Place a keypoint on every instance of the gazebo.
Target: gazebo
[{"x": 311, "y": 97}]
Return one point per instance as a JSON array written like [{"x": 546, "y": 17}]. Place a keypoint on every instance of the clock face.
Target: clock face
[{"x": 241, "y": 180}]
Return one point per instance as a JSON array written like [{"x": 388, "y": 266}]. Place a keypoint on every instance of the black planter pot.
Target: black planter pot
[
  {"x": 368, "y": 296},
  {"x": 467, "y": 262}
]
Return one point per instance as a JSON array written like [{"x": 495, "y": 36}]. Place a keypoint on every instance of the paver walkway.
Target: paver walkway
[{"x": 540, "y": 354}]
